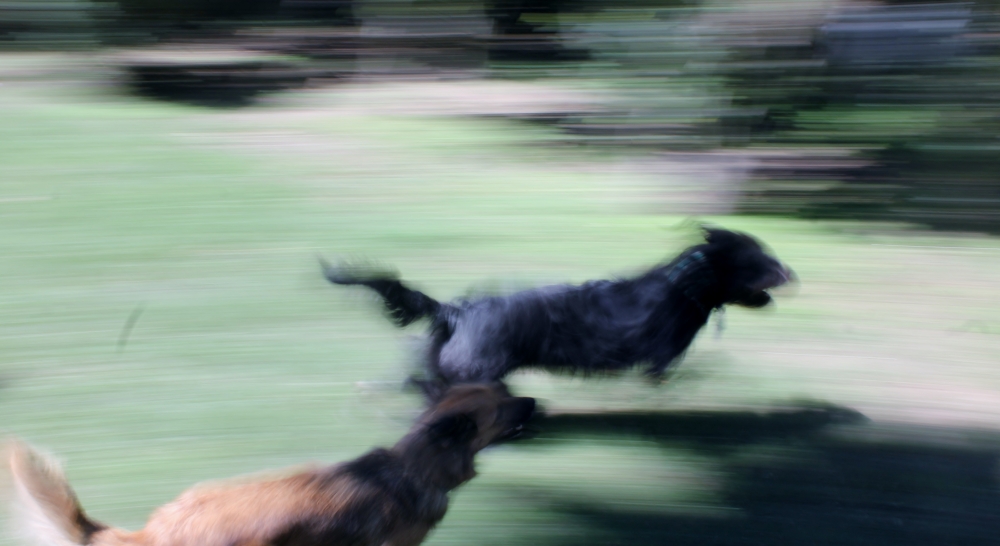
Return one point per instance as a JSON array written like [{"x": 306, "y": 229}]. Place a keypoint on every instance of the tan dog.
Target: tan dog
[{"x": 389, "y": 497}]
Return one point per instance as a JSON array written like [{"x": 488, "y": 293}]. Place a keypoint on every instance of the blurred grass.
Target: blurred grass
[{"x": 208, "y": 223}]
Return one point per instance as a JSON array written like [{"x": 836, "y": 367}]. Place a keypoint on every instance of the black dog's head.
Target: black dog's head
[{"x": 744, "y": 271}]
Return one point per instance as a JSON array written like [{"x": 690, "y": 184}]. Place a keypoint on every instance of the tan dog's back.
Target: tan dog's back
[{"x": 239, "y": 514}]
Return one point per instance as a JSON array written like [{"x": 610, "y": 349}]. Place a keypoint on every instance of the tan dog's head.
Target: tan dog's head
[
  {"x": 466, "y": 419},
  {"x": 479, "y": 414}
]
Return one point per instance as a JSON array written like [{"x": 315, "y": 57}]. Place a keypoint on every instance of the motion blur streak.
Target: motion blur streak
[{"x": 171, "y": 168}]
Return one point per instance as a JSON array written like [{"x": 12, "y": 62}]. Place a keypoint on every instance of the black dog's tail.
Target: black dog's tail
[{"x": 404, "y": 305}]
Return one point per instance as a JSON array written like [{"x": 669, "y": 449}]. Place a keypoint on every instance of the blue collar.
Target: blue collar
[{"x": 693, "y": 287}]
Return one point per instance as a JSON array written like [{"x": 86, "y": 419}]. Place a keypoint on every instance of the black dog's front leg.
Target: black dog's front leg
[
  {"x": 655, "y": 372},
  {"x": 654, "y": 375}
]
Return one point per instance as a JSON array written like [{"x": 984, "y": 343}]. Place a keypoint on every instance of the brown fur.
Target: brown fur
[{"x": 390, "y": 497}]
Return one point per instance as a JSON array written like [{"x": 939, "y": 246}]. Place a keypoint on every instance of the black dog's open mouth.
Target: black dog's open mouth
[
  {"x": 757, "y": 299},
  {"x": 762, "y": 295}
]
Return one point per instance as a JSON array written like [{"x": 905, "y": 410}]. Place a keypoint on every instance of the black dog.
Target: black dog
[{"x": 598, "y": 326}]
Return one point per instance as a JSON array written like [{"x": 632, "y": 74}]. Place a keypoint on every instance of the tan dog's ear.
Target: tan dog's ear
[
  {"x": 500, "y": 388},
  {"x": 432, "y": 389},
  {"x": 452, "y": 430}
]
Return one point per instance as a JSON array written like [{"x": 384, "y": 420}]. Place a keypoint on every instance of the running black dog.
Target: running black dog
[{"x": 598, "y": 326}]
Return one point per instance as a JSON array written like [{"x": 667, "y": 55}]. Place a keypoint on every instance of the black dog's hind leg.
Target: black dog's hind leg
[{"x": 428, "y": 379}]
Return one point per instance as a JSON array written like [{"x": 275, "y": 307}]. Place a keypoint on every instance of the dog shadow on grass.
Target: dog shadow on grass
[{"x": 834, "y": 478}]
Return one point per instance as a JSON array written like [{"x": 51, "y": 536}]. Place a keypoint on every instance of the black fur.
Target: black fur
[
  {"x": 402, "y": 304},
  {"x": 598, "y": 326}
]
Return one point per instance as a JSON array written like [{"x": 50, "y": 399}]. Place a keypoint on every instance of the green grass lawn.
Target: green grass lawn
[{"x": 206, "y": 224}]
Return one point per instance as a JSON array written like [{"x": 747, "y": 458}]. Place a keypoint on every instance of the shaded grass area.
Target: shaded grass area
[
  {"x": 800, "y": 474},
  {"x": 788, "y": 480},
  {"x": 241, "y": 358}
]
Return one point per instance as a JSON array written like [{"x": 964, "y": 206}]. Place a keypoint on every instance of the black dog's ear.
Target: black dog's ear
[
  {"x": 453, "y": 430},
  {"x": 719, "y": 236}
]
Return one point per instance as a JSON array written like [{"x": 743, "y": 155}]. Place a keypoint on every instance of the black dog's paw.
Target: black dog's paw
[{"x": 656, "y": 376}]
